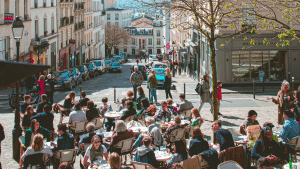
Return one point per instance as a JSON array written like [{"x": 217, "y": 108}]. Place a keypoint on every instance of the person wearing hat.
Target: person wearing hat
[
  {"x": 49, "y": 88},
  {"x": 266, "y": 151},
  {"x": 249, "y": 122}
]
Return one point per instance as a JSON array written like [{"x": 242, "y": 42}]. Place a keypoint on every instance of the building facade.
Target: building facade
[
  {"x": 239, "y": 61},
  {"x": 119, "y": 17},
  {"x": 79, "y": 32},
  {"x": 98, "y": 30},
  {"x": 8, "y": 11},
  {"x": 147, "y": 37},
  {"x": 66, "y": 34},
  {"x": 88, "y": 30},
  {"x": 44, "y": 28}
]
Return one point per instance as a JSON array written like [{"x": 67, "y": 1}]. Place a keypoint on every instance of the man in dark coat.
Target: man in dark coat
[{"x": 50, "y": 92}]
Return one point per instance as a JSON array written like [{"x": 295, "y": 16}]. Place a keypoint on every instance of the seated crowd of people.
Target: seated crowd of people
[{"x": 38, "y": 126}]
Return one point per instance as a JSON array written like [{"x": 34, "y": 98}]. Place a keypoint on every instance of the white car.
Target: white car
[{"x": 152, "y": 58}]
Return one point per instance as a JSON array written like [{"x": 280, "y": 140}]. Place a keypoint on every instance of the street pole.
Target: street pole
[
  {"x": 17, "y": 129},
  {"x": 173, "y": 67},
  {"x": 38, "y": 54}
]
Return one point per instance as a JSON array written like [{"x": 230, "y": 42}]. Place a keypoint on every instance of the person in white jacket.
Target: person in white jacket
[{"x": 37, "y": 146}]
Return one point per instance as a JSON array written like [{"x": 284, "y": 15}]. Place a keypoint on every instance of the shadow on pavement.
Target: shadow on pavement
[{"x": 232, "y": 117}]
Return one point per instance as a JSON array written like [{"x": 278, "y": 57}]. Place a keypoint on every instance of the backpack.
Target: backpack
[
  {"x": 47, "y": 87},
  {"x": 199, "y": 89},
  {"x": 136, "y": 79}
]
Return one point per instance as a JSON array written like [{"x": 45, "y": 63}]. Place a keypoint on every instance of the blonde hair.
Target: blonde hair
[
  {"x": 120, "y": 126},
  {"x": 168, "y": 73},
  {"x": 71, "y": 95},
  {"x": 114, "y": 161},
  {"x": 169, "y": 101},
  {"x": 42, "y": 77},
  {"x": 152, "y": 73},
  {"x": 285, "y": 83},
  {"x": 37, "y": 143}
]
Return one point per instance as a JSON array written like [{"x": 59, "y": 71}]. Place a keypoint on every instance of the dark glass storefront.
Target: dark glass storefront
[{"x": 249, "y": 65}]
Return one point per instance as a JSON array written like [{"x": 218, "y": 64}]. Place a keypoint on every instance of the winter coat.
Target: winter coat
[
  {"x": 152, "y": 82},
  {"x": 206, "y": 95},
  {"x": 154, "y": 130}
]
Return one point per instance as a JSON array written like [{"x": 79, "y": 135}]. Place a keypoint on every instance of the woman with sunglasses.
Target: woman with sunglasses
[{"x": 96, "y": 151}]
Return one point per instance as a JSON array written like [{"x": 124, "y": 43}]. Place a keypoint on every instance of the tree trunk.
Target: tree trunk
[{"x": 214, "y": 79}]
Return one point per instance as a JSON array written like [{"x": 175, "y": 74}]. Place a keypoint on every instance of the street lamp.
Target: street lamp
[
  {"x": 17, "y": 30},
  {"x": 38, "y": 43},
  {"x": 173, "y": 67}
]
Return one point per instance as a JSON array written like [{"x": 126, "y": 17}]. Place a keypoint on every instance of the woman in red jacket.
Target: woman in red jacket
[{"x": 41, "y": 82}]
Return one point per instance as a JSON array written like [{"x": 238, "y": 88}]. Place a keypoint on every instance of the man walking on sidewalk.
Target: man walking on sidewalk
[{"x": 136, "y": 79}]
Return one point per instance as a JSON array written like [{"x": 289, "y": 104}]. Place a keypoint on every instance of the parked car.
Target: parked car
[
  {"x": 93, "y": 72},
  {"x": 108, "y": 64},
  {"x": 84, "y": 72},
  {"x": 100, "y": 66},
  {"x": 123, "y": 57},
  {"x": 151, "y": 57},
  {"x": 159, "y": 65},
  {"x": 77, "y": 75},
  {"x": 160, "y": 77},
  {"x": 116, "y": 67},
  {"x": 117, "y": 59},
  {"x": 65, "y": 80},
  {"x": 142, "y": 69}
]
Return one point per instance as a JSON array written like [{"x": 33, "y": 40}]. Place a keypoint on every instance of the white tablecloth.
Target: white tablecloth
[
  {"x": 162, "y": 155},
  {"x": 48, "y": 144},
  {"x": 113, "y": 114},
  {"x": 295, "y": 166}
]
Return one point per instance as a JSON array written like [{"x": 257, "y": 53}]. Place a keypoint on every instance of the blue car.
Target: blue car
[
  {"x": 65, "y": 80},
  {"x": 115, "y": 67},
  {"x": 160, "y": 77},
  {"x": 117, "y": 59},
  {"x": 93, "y": 72},
  {"x": 77, "y": 75}
]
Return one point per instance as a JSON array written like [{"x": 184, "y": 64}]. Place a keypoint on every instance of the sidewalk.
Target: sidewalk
[{"x": 190, "y": 84}]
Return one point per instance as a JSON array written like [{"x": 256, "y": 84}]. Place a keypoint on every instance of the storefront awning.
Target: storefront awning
[{"x": 11, "y": 72}]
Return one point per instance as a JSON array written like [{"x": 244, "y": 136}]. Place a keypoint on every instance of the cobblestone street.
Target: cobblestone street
[{"x": 234, "y": 106}]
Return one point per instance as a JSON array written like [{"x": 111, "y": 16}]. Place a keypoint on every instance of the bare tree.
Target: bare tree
[
  {"x": 115, "y": 36},
  {"x": 249, "y": 18}
]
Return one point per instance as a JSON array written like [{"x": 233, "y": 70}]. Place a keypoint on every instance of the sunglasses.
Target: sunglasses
[{"x": 96, "y": 142}]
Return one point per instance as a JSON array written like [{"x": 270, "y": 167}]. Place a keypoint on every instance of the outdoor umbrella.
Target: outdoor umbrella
[{"x": 11, "y": 72}]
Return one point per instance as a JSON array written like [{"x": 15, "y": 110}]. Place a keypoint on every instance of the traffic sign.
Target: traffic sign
[{"x": 168, "y": 46}]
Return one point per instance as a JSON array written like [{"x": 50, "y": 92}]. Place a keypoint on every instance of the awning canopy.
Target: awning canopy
[{"x": 11, "y": 72}]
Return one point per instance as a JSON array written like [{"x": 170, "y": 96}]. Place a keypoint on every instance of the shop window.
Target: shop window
[
  {"x": 259, "y": 65},
  {"x": 278, "y": 67},
  {"x": 240, "y": 66}
]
